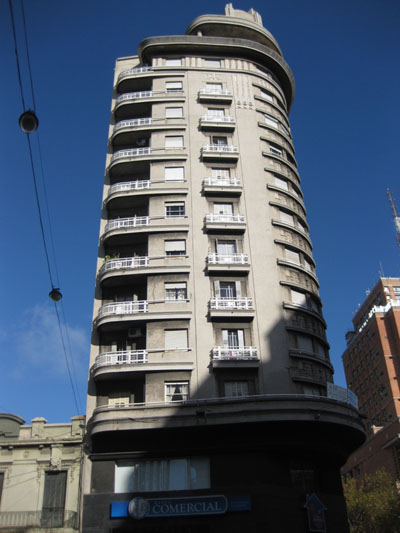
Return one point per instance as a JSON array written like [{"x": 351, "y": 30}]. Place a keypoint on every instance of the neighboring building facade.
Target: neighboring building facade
[
  {"x": 372, "y": 367},
  {"x": 40, "y": 474},
  {"x": 209, "y": 364}
]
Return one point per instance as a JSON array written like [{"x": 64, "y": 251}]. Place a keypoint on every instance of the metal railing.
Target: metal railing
[
  {"x": 132, "y": 123},
  {"x": 127, "y": 263},
  {"x": 231, "y": 219},
  {"x": 48, "y": 519},
  {"x": 123, "y": 308},
  {"x": 231, "y": 303},
  {"x": 244, "y": 353},
  {"x": 134, "y": 96},
  {"x": 217, "y": 118},
  {"x": 126, "y": 357},
  {"x": 131, "y": 152},
  {"x": 222, "y": 181},
  {"x": 129, "y": 222},
  {"x": 134, "y": 72},
  {"x": 220, "y": 148},
  {"x": 231, "y": 259},
  {"x": 215, "y": 92},
  {"x": 129, "y": 186}
]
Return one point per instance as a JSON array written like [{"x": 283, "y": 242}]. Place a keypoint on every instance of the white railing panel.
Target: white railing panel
[
  {"x": 126, "y": 357},
  {"x": 126, "y": 263},
  {"x": 126, "y": 223},
  {"x": 223, "y": 148},
  {"x": 134, "y": 72},
  {"x": 216, "y": 118},
  {"x": 134, "y": 96},
  {"x": 131, "y": 152},
  {"x": 232, "y": 259},
  {"x": 231, "y": 303},
  {"x": 132, "y": 123},
  {"x": 129, "y": 186},
  {"x": 222, "y": 353},
  {"x": 233, "y": 219},
  {"x": 215, "y": 92},
  {"x": 123, "y": 308},
  {"x": 222, "y": 182}
]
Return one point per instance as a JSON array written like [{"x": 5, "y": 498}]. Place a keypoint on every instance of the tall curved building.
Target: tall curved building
[{"x": 211, "y": 404}]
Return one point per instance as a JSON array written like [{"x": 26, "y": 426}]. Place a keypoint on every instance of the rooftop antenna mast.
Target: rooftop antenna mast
[{"x": 396, "y": 216}]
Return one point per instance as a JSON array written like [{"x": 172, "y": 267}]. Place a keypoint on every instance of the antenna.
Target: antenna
[{"x": 396, "y": 217}]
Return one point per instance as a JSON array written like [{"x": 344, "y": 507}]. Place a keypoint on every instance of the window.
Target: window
[
  {"x": 214, "y": 88},
  {"x": 176, "y": 391},
  {"x": 174, "y": 209},
  {"x": 226, "y": 247},
  {"x": 308, "y": 266},
  {"x": 265, "y": 94},
  {"x": 215, "y": 112},
  {"x": 292, "y": 257},
  {"x": 235, "y": 389},
  {"x": 219, "y": 141},
  {"x": 119, "y": 399},
  {"x": 176, "y": 339},
  {"x": 285, "y": 130},
  {"x": 174, "y": 112},
  {"x": 275, "y": 149},
  {"x": 174, "y": 142},
  {"x": 282, "y": 184},
  {"x": 174, "y": 174},
  {"x": 173, "y": 62},
  {"x": 223, "y": 208},
  {"x": 162, "y": 475},
  {"x": 173, "y": 86},
  {"x": 286, "y": 218},
  {"x": 233, "y": 338},
  {"x": 305, "y": 343},
  {"x": 175, "y": 247},
  {"x": 220, "y": 172},
  {"x": 175, "y": 291},
  {"x": 55, "y": 484},
  {"x": 271, "y": 121},
  {"x": 298, "y": 298},
  {"x": 1, "y": 483},
  {"x": 227, "y": 289},
  {"x": 212, "y": 63}
]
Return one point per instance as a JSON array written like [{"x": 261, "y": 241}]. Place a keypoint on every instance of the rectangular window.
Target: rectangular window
[
  {"x": 212, "y": 63},
  {"x": 119, "y": 399},
  {"x": 298, "y": 298},
  {"x": 285, "y": 130},
  {"x": 282, "y": 184},
  {"x": 162, "y": 474},
  {"x": 175, "y": 291},
  {"x": 174, "y": 142},
  {"x": 221, "y": 172},
  {"x": 55, "y": 484},
  {"x": 233, "y": 338},
  {"x": 175, "y": 247},
  {"x": 292, "y": 257},
  {"x": 173, "y": 86},
  {"x": 214, "y": 87},
  {"x": 173, "y": 62},
  {"x": 286, "y": 218},
  {"x": 271, "y": 121},
  {"x": 227, "y": 289},
  {"x": 219, "y": 141},
  {"x": 174, "y": 209},
  {"x": 265, "y": 94},
  {"x": 235, "y": 389},
  {"x": 177, "y": 391},
  {"x": 176, "y": 339},
  {"x": 223, "y": 208},
  {"x": 174, "y": 112},
  {"x": 215, "y": 112},
  {"x": 275, "y": 150},
  {"x": 174, "y": 174},
  {"x": 305, "y": 343},
  {"x": 226, "y": 247},
  {"x": 308, "y": 266}
]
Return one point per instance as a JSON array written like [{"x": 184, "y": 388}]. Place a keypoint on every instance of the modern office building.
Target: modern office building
[
  {"x": 211, "y": 404},
  {"x": 372, "y": 366}
]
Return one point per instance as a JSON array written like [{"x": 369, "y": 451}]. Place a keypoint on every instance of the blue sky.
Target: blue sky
[{"x": 345, "y": 118}]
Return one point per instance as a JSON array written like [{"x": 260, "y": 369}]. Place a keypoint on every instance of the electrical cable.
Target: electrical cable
[{"x": 27, "y": 54}]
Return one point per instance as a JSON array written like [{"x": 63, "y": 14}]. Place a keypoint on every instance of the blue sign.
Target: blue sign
[
  {"x": 315, "y": 513},
  {"x": 140, "y": 508}
]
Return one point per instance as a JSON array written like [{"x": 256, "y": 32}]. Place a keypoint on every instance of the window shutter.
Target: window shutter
[
  {"x": 217, "y": 291},
  {"x": 238, "y": 287},
  {"x": 174, "y": 174},
  {"x": 225, "y": 340},
  {"x": 176, "y": 339},
  {"x": 241, "y": 338}
]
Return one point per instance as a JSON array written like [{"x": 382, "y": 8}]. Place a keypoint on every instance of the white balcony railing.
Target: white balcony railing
[
  {"x": 231, "y": 303},
  {"x": 125, "y": 223},
  {"x": 221, "y": 148},
  {"x": 134, "y": 96},
  {"x": 226, "y": 353},
  {"x": 132, "y": 123},
  {"x": 230, "y": 219},
  {"x": 129, "y": 186},
  {"x": 123, "y": 308},
  {"x": 231, "y": 259},
  {"x": 221, "y": 181},
  {"x": 218, "y": 118},
  {"x": 127, "y": 263},
  {"x": 131, "y": 153},
  {"x": 127, "y": 357},
  {"x": 133, "y": 72},
  {"x": 215, "y": 92}
]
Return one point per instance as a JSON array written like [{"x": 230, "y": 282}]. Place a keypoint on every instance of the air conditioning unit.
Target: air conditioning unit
[{"x": 134, "y": 332}]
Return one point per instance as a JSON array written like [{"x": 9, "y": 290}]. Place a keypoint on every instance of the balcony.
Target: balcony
[
  {"x": 225, "y": 222},
  {"x": 128, "y": 132},
  {"x": 120, "y": 194},
  {"x": 221, "y": 152},
  {"x": 120, "y": 271},
  {"x": 308, "y": 375},
  {"x": 224, "y": 185},
  {"x": 123, "y": 162},
  {"x": 133, "y": 72},
  {"x": 231, "y": 307},
  {"x": 116, "y": 315},
  {"x": 240, "y": 357},
  {"x": 217, "y": 122},
  {"x": 119, "y": 228},
  {"x": 215, "y": 95},
  {"x": 140, "y": 101},
  {"x": 39, "y": 520},
  {"x": 231, "y": 262}
]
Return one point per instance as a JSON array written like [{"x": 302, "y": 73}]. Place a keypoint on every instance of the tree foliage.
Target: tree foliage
[{"x": 373, "y": 504}]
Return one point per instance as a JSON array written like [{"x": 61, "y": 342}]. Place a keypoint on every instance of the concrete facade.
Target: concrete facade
[
  {"x": 372, "y": 368},
  {"x": 207, "y": 316},
  {"x": 33, "y": 460}
]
